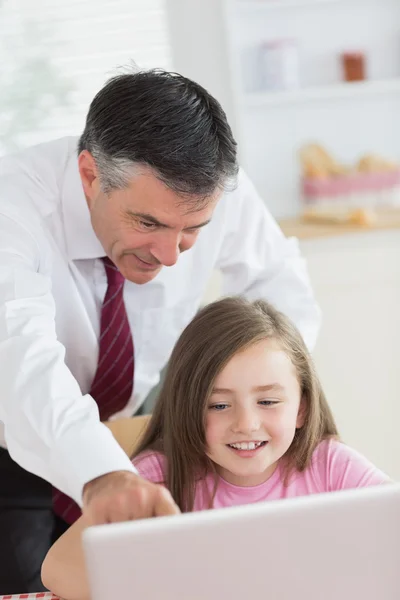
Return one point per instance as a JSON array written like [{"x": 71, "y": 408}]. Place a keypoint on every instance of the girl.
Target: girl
[{"x": 241, "y": 418}]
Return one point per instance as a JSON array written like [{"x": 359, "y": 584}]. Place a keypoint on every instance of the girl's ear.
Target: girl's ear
[{"x": 301, "y": 415}]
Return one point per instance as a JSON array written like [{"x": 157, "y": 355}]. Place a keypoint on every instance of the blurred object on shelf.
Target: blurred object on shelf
[
  {"x": 271, "y": 66},
  {"x": 251, "y": 69},
  {"x": 317, "y": 163},
  {"x": 329, "y": 187},
  {"x": 353, "y": 66},
  {"x": 371, "y": 163},
  {"x": 280, "y": 64},
  {"x": 361, "y": 217}
]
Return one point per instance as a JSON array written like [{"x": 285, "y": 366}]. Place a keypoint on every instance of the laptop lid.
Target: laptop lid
[{"x": 337, "y": 546}]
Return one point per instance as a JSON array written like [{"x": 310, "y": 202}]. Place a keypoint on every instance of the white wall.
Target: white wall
[
  {"x": 200, "y": 48},
  {"x": 356, "y": 280}
]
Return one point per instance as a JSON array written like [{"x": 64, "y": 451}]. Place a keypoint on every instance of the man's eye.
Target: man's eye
[{"x": 146, "y": 225}]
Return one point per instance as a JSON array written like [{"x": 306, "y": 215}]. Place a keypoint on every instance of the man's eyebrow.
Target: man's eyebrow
[
  {"x": 199, "y": 226},
  {"x": 154, "y": 221}
]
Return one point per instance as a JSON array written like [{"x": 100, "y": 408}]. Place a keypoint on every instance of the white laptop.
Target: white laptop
[{"x": 338, "y": 546}]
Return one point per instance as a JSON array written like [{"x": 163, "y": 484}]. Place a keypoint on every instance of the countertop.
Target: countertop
[{"x": 303, "y": 230}]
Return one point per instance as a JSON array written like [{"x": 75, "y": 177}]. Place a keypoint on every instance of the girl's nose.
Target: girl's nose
[{"x": 246, "y": 421}]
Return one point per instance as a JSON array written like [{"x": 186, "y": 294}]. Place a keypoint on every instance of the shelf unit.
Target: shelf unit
[
  {"x": 339, "y": 91},
  {"x": 282, "y": 4},
  {"x": 349, "y": 119}
]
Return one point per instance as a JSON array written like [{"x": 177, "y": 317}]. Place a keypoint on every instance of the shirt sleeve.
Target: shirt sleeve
[
  {"x": 257, "y": 260},
  {"x": 151, "y": 466},
  {"x": 342, "y": 468},
  {"x": 51, "y": 429}
]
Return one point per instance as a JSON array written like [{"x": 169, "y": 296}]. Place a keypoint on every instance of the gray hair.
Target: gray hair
[
  {"x": 115, "y": 173},
  {"x": 165, "y": 122}
]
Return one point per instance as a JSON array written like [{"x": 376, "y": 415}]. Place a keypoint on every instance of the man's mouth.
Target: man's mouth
[{"x": 147, "y": 265}]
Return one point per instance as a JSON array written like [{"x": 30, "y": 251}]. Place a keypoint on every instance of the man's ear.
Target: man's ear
[
  {"x": 89, "y": 176},
  {"x": 301, "y": 415}
]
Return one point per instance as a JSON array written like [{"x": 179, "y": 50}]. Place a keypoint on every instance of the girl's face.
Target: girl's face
[{"x": 252, "y": 414}]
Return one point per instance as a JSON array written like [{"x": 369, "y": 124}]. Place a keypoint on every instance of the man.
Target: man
[{"x": 87, "y": 315}]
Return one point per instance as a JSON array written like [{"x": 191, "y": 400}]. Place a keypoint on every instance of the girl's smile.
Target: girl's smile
[{"x": 247, "y": 449}]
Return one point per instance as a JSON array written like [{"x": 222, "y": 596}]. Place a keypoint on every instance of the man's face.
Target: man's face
[{"x": 144, "y": 226}]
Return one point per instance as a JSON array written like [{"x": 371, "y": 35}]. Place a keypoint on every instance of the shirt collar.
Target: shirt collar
[{"x": 80, "y": 238}]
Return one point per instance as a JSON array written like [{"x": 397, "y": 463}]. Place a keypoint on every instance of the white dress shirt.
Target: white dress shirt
[{"x": 52, "y": 285}]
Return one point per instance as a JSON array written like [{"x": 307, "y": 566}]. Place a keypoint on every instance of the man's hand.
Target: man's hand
[{"x": 124, "y": 496}]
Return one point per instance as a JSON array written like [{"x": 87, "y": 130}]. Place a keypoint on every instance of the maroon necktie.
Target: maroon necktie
[{"x": 113, "y": 381}]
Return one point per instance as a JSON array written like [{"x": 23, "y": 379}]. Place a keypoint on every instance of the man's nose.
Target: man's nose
[{"x": 168, "y": 249}]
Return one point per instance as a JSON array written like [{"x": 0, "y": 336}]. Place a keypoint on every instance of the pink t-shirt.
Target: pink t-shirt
[{"x": 334, "y": 466}]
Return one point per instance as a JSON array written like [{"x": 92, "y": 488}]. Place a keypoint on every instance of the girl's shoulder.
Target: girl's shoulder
[
  {"x": 331, "y": 448},
  {"x": 151, "y": 465},
  {"x": 339, "y": 467}
]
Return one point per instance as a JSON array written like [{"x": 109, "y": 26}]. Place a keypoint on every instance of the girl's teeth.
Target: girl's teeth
[{"x": 246, "y": 446}]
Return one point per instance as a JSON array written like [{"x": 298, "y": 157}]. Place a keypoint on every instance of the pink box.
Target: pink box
[{"x": 354, "y": 189}]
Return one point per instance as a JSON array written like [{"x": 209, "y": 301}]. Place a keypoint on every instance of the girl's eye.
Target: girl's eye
[
  {"x": 218, "y": 407},
  {"x": 268, "y": 402}
]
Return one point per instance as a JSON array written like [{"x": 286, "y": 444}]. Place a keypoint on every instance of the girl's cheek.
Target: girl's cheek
[
  {"x": 275, "y": 424},
  {"x": 213, "y": 430}
]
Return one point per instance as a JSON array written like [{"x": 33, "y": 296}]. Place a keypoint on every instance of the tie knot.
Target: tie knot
[{"x": 114, "y": 277}]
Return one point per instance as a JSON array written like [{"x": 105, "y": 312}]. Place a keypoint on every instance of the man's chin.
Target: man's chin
[{"x": 141, "y": 277}]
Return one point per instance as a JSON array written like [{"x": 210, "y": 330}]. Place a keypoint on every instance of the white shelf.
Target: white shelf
[
  {"x": 329, "y": 92},
  {"x": 279, "y": 4}
]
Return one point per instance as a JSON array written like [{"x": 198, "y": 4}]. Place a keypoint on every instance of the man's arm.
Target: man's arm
[
  {"x": 50, "y": 428},
  {"x": 258, "y": 261}
]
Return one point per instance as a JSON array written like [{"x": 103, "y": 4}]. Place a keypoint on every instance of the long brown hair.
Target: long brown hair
[{"x": 215, "y": 335}]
